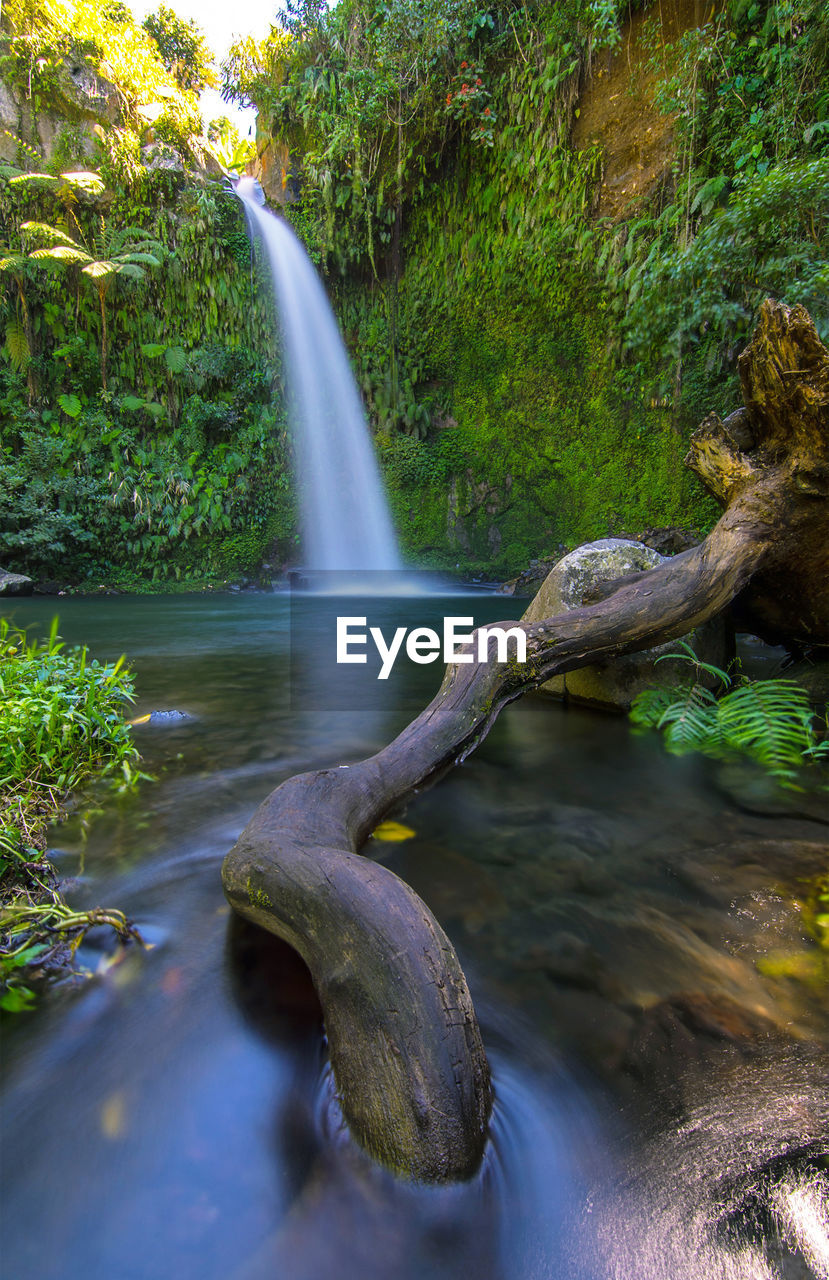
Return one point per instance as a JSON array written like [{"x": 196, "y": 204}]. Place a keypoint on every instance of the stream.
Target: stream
[{"x": 631, "y": 926}]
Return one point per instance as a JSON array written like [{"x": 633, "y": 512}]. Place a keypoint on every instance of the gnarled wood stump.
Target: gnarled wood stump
[{"x": 405, "y": 1046}]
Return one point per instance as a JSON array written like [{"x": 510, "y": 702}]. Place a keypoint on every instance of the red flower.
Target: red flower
[
  {"x": 479, "y": 80},
  {"x": 448, "y": 99},
  {"x": 464, "y": 65},
  {"x": 487, "y": 111},
  {"x": 464, "y": 88}
]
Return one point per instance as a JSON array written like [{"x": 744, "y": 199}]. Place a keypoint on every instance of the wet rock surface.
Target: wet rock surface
[
  {"x": 15, "y": 584},
  {"x": 573, "y": 582}
]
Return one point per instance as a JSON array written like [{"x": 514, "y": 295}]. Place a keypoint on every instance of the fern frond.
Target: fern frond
[
  {"x": 649, "y": 706},
  {"x": 60, "y": 253},
  {"x": 690, "y": 723},
  {"x": 175, "y": 359},
  {"x": 55, "y": 235},
  {"x": 687, "y": 654},
  {"x": 770, "y": 721},
  {"x": 100, "y": 268},
  {"x": 17, "y": 346},
  {"x": 149, "y": 258}
]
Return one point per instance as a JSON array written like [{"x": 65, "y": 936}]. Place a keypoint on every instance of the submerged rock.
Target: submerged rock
[
  {"x": 162, "y": 718},
  {"x": 614, "y": 684},
  {"x": 15, "y": 584}
]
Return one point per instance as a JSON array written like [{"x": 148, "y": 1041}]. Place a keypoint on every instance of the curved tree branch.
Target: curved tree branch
[{"x": 405, "y": 1046}]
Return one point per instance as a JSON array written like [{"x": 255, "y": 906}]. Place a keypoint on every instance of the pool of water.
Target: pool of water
[{"x": 631, "y": 926}]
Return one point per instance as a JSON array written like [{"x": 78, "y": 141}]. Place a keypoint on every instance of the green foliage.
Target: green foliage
[
  {"x": 182, "y": 450},
  {"x": 61, "y": 726},
  {"x": 233, "y": 152},
  {"x": 43, "y": 506},
  {"x": 183, "y": 49},
  {"x": 768, "y": 721},
  {"x": 109, "y": 253},
  {"x": 51, "y": 47},
  {"x": 61, "y": 714},
  {"x": 748, "y": 214},
  {"x": 87, "y": 497},
  {"x": 771, "y": 241}
]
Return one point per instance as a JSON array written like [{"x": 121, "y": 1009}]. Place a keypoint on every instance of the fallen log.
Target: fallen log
[{"x": 405, "y": 1047}]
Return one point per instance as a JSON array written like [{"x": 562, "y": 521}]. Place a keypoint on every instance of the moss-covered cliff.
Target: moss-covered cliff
[{"x": 547, "y": 229}]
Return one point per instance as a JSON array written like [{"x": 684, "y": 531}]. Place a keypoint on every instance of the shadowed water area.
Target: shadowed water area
[{"x": 633, "y": 931}]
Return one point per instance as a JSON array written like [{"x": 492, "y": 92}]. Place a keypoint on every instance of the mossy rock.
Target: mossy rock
[{"x": 614, "y": 684}]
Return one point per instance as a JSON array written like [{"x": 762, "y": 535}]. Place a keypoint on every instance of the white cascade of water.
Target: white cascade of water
[{"x": 346, "y": 524}]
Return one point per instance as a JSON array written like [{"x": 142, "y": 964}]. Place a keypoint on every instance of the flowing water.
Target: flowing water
[
  {"x": 346, "y": 523},
  {"x": 652, "y": 1005}
]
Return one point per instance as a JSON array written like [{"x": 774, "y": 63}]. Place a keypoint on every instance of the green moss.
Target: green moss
[
  {"x": 547, "y": 442},
  {"x": 258, "y": 897}
]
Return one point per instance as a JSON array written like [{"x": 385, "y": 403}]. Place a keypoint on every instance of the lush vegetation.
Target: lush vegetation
[
  {"x": 61, "y": 726},
  {"x": 532, "y": 358},
  {"x": 770, "y": 722},
  {"x": 517, "y": 337},
  {"x": 141, "y": 437}
]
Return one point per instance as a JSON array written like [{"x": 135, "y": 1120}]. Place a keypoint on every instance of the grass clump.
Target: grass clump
[{"x": 61, "y": 727}]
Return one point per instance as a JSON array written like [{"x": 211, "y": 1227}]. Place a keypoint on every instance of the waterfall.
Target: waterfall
[{"x": 346, "y": 524}]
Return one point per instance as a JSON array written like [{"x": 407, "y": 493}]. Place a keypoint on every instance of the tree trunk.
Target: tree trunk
[
  {"x": 28, "y": 329},
  {"x": 104, "y": 337},
  {"x": 405, "y": 1048}
]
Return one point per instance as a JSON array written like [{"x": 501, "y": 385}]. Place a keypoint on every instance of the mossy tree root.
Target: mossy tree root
[{"x": 405, "y": 1047}]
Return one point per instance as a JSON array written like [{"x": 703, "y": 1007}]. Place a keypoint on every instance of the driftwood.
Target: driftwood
[{"x": 405, "y": 1047}]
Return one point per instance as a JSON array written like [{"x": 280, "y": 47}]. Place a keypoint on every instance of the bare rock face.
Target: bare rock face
[
  {"x": 272, "y": 169},
  {"x": 571, "y": 584},
  {"x": 15, "y": 584}
]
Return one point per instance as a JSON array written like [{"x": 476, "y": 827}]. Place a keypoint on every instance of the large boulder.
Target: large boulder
[
  {"x": 615, "y": 684},
  {"x": 15, "y": 584}
]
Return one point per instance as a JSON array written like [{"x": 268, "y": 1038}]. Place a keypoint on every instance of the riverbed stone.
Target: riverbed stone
[
  {"x": 15, "y": 584},
  {"x": 615, "y": 683}
]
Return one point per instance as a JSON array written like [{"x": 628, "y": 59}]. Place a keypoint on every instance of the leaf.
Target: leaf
[
  {"x": 71, "y": 405},
  {"x": 17, "y": 346},
  {"x": 152, "y": 349},
  {"x": 87, "y": 180},
  {"x": 175, "y": 359},
  {"x": 98, "y": 270},
  {"x": 48, "y": 232},
  {"x": 393, "y": 832},
  {"x": 60, "y": 253},
  {"x": 708, "y": 193},
  {"x": 17, "y": 1000},
  {"x": 771, "y": 721},
  {"x": 691, "y": 722}
]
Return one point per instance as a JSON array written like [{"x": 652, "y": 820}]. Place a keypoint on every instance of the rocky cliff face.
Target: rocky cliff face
[{"x": 81, "y": 104}]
